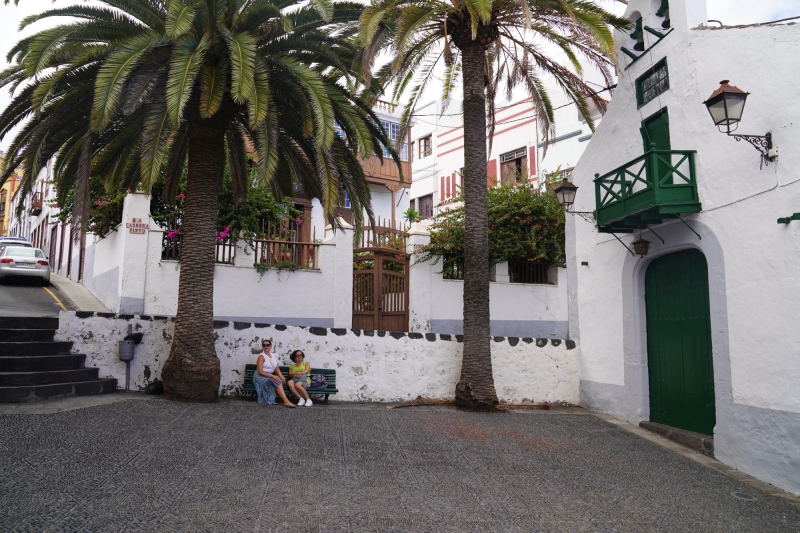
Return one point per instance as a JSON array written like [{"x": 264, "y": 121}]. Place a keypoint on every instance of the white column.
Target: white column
[
  {"x": 133, "y": 268},
  {"x": 342, "y": 265},
  {"x": 419, "y": 279},
  {"x": 501, "y": 273}
]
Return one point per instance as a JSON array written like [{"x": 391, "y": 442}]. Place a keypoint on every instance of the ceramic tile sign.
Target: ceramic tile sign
[{"x": 137, "y": 226}]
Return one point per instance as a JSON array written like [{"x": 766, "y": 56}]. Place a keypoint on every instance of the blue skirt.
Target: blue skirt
[{"x": 265, "y": 388}]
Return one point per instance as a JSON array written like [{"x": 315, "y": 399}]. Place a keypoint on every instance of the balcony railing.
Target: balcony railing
[
  {"x": 36, "y": 203},
  {"x": 658, "y": 185}
]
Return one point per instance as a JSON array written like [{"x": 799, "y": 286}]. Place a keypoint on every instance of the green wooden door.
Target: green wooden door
[
  {"x": 679, "y": 342},
  {"x": 655, "y": 130}
]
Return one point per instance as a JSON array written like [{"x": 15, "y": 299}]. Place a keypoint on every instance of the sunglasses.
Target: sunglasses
[{"x": 266, "y": 344}]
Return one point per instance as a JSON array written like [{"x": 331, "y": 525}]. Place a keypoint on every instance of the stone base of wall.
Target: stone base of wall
[{"x": 373, "y": 366}]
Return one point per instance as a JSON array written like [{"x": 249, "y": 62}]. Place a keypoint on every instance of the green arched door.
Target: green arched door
[{"x": 679, "y": 342}]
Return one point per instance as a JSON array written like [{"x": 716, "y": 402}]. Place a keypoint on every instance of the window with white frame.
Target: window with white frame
[
  {"x": 513, "y": 165},
  {"x": 393, "y": 131}
]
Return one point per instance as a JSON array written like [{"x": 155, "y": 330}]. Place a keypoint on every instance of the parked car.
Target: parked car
[
  {"x": 24, "y": 261},
  {"x": 13, "y": 241}
]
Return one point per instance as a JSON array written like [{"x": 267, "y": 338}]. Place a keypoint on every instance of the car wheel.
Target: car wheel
[{"x": 45, "y": 282}]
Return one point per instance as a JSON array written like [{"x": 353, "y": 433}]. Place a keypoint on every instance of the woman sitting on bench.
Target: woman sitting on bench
[{"x": 268, "y": 379}]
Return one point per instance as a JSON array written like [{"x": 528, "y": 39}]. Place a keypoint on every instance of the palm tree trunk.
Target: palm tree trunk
[
  {"x": 192, "y": 371},
  {"x": 475, "y": 389}
]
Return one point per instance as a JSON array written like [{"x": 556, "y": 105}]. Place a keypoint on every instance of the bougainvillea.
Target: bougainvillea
[{"x": 524, "y": 224}]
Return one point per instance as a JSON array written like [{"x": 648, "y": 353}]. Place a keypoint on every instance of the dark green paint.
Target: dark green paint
[{"x": 679, "y": 357}]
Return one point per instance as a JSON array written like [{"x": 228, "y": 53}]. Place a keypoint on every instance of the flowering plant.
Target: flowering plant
[{"x": 524, "y": 224}]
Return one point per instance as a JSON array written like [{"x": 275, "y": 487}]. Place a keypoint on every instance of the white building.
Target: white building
[
  {"x": 701, "y": 332},
  {"x": 517, "y": 147},
  {"x": 389, "y": 190}
]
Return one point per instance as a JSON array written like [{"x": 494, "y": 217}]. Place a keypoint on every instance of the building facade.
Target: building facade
[{"x": 699, "y": 332}]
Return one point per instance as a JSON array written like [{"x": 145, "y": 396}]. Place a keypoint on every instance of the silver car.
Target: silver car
[
  {"x": 4, "y": 241},
  {"x": 24, "y": 262}
]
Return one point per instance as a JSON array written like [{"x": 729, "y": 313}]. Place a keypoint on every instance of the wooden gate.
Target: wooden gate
[{"x": 380, "y": 280}]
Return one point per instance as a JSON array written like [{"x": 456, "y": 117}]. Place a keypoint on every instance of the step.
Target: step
[
  {"x": 33, "y": 393},
  {"x": 18, "y": 379},
  {"x": 26, "y": 335},
  {"x": 28, "y": 322},
  {"x": 42, "y": 363},
  {"x": 35, "y": 348},
  {"x": 696, "y": 441}
]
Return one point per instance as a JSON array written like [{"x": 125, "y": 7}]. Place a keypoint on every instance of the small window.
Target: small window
[
  {"x": 425, "y": 147},
  {"x": 513, "y": 166},
  {"x": 425, "y": 206},
  {"x": 652, "y": 83},
  {"x": 346, "y": 200}
]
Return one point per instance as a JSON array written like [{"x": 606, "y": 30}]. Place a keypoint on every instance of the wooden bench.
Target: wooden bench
[{"x": 329, "y": 373}]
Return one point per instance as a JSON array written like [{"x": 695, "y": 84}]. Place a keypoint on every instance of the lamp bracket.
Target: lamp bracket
[
  {"x": 762, "y": 143},
  {"x": 588, "y": 216}
]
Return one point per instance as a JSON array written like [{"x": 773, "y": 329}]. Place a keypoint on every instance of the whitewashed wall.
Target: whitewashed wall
[
  {"x": 370, "y": 366},
  {"x": 753, "y": 284},
  {"x": 517, "y": 309},
  {"x": 302, "y": 297}
]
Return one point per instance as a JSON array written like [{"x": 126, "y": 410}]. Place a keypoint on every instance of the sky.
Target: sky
[{"x": 730, "y": 12}]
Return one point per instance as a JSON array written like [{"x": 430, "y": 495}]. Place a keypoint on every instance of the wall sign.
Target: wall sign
[{"x": 137, "y": 226}]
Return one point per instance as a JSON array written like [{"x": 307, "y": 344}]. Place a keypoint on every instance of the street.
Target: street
[
  {"x": 26, "y": 298},
  {"x": 156, "y": 465}
]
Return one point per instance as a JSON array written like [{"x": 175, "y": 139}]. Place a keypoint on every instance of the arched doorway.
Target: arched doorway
[{"x": 679, "y": 355}]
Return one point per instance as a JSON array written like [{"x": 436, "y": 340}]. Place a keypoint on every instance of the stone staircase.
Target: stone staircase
[{"x": 34, "y": 367}]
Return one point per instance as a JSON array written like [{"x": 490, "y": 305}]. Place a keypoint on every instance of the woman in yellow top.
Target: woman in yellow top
[{"x": 300, "y": 374}]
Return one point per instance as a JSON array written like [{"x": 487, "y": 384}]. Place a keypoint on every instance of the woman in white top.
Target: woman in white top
[{"x": 268, "y": 379}]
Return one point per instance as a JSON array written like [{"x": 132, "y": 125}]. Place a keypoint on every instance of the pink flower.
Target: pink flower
[
  {"x": 226, "y": 230},
  {"x": 172, "y": 234},
  {"x": 299, "y": 220},
  {"x": 180, "y": 196}
]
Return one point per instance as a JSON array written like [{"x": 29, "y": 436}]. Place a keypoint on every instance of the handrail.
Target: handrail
[
  {"x": 641, "y": 157},
  {"x": 655, "y": 179}
]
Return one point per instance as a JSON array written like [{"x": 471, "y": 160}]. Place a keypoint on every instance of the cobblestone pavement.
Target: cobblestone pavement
[{"x": 237, "y": 466}]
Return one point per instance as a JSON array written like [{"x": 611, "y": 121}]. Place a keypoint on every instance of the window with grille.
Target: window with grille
[
  {"x": 513, "y": 165},
  {"x": 652, "y": 83},
  {"x": 425, "y": 204}
]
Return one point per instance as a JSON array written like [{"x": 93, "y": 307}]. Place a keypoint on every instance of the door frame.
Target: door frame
[{"x": 634, "y": 371}]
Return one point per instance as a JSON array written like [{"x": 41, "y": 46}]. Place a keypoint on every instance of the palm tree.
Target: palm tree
[
  {"x": 486, "y": 44},
  {"x": 135, "y": 88}
]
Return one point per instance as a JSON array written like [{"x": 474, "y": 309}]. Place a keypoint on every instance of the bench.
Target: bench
[{"x": 329, "y": 373}]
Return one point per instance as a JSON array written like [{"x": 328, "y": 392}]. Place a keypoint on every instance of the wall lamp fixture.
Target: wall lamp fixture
[
  {"x": 726, "y": 106},
  {"x": 565, "y": 192}
]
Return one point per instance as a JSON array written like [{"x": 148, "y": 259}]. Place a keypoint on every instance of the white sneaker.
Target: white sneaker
[
  {"x": 309, "y": 403},
  {"x": 301, "y": 402}
]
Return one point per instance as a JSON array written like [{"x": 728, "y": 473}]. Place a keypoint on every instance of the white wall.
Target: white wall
[
  {"x": 751, "y": 259},
  {"x": 517, "y": 309},
  {"x": 373, "y": 368},
  {"x": 302, "y": 297}
]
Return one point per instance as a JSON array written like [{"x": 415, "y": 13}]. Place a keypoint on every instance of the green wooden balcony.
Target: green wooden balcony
[{"x": 659, "y": 185}]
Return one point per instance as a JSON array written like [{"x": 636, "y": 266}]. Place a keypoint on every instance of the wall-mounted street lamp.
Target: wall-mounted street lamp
[
  {"x": 565, "y": 193},
  {"x": 726, "y": 106}
]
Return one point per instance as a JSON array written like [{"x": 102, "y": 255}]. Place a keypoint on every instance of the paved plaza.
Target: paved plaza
[{"x": 155, "y": 465}]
